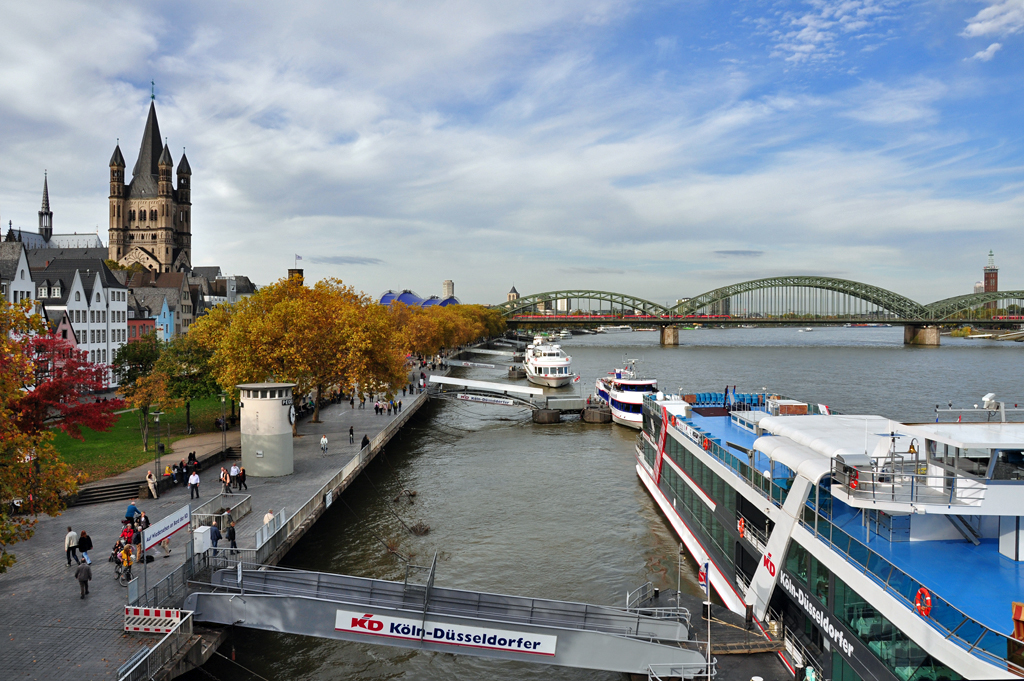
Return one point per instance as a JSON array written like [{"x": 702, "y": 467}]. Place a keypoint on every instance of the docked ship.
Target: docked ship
[
  {"x": 622, "y": 328},
  {"x": 624, "y": 393},
  {"x": 547, "y": 364},
  {"x": 878, "y": 549}
]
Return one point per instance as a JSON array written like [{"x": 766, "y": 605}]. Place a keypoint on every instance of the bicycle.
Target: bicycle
[{"x": 125, "y": 575}]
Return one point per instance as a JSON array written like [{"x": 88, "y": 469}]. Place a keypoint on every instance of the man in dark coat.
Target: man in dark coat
[
  {"x": 214, "y": 536},
  {"x": 231, "y": 537},
  {"x": 83, "y": 574}
]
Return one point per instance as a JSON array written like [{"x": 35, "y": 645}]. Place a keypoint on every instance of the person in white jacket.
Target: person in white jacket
[{"x": 71, "y": 546}]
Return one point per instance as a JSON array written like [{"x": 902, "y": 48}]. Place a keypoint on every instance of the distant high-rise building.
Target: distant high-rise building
[
  {"x": 979, "y": 287},
  {"x": 447, "y": 288}
]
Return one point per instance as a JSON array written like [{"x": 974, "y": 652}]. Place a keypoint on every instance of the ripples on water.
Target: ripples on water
[{"x": 557, "y": 511}]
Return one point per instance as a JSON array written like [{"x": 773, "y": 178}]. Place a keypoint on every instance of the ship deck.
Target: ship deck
[{"x": 977, "y": 580}]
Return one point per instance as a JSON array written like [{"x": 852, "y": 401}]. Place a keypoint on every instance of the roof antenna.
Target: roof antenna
[{"x": 152, "y": 90}]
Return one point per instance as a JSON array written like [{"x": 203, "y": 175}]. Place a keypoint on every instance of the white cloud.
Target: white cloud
[
  {"x": 987, "y": 53},
  {"x": 814, "y": 35},
  {"x": 1001, "y": 17}
]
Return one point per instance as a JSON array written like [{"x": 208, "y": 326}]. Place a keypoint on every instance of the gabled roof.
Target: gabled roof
[
  {"x": 10, "y": 254},
  {"x": 165, "y": 157},
  {"x": 117, "y": 159},
  {"x": 155, "y": 298},
  {"x": 146, "y": 174},
  {"x": 150, "y": 279},
  {"x": 41, "y": 258},
  {"x": 87, "y": 269},
  {"x": 244, "y": 287},
  {"x": 210, "y": 273},
  {"x": 183, "y": 167},
  {"x": 513, "y": 290}
]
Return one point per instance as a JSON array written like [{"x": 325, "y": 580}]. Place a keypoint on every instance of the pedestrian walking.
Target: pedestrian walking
[
  {"x": 85, "y": 546},
  {"x": 351, "y": 435},
  {"x": 151, "y": 481},
  {"x": 131, "y": 511},
  {"x": 234, "y": 476},
  {"x": 269, "y": 516},
  {"x": 231, "y": 538},
  {"x": 214, "y": 536},
  {"x": 403, "y": 391},
  {"x": 83, "y": 574},
  {"x": 71, "y": 546},
  {"x": 193, "y": 485},
  {"x": 352, "y": 402},
  {"x": 365, "y": 443},
  {"x": 323, "y": 445},
  {"x": 225, "y": 481},
  {"x": 241, "y": 478},
  {"x": 399, "y": 406}
]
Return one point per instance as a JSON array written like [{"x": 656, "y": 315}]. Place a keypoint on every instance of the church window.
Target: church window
[
  {"x": 23, "y": 274},
  {"x": 152, "y": 215},
  {"x": 78, "y": 295},
  {"x": 142, "y": 216},
  {"x": 154, "y": 237},
  {"x": 97, "y": 297},
  {"x": 118, "y": 210}
]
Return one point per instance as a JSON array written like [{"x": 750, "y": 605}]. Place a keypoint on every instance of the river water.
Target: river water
[{"x": 556, "y": 511}]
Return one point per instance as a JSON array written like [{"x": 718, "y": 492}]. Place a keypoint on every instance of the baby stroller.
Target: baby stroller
[{"x": 116, "y": 550}]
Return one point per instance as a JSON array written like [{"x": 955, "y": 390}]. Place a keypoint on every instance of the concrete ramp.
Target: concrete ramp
[
  {"x": 426, "y": 617},
  {"x": 499, "y": 388}
]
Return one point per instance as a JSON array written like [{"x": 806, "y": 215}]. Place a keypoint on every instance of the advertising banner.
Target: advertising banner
[
  {"x": 486, "y": 400},
  {"x": 450, "y": 634},
  {"x": 166, "y": 526}
]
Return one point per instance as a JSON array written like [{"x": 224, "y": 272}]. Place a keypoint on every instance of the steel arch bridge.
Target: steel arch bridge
[
  {"x": 623, "y": 300},
  {"x": 778, "y": 300},
  {"x": 962, "y": 307},
  {"x": 893, "y": 303}
]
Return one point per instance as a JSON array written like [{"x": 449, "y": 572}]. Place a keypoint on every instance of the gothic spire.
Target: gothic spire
[
  {"x": 117, "y": 159},
  {"x": 46, "y": 195},
  {"x": 165, "y": 157},
  {"x": 146, "y": 174}
]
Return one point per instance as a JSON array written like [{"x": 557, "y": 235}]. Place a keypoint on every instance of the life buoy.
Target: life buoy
[
  {"x": 707, "y": 444},
  {"x": 742, "y": 527},
  {"x": 923, "y": 602},
  {"x": 854, "y": 479}
]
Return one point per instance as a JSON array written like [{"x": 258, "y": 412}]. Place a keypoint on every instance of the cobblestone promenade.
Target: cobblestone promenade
[{"x": 48, "y": 632}]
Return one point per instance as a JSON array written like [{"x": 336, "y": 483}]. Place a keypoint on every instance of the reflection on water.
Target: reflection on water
[{"x": 556, "y": 511}]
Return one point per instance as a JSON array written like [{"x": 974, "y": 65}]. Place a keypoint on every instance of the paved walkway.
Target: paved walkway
[{"x": 48, "y": 632}]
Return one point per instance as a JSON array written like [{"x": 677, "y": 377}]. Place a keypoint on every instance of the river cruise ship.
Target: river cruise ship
[
  {"x": 879, "y": 550},
  {"x": 624, "y": 393},
  {"x": 547, "y": 364},
  {"x": 621, "y": 328}
]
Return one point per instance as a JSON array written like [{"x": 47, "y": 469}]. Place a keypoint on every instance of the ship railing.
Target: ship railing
[
  {"x": 757, "y": 536},
  {"x": 910, "y": 482},
  {"x": 638, "y": 595},
  {"x": 996, "y": 648},
  {"x": 670, "y": 672}
]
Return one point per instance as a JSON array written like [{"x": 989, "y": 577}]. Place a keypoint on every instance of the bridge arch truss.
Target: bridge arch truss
[
  {"x": 550, "y": 300},
  {"x": 802, "y": 297},
  {"x": 978, "y": 306}
]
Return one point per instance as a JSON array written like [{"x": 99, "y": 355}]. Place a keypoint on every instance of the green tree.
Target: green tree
[
  {"x": 186, "y": 366},
  {"x": 133, "y": 365}
]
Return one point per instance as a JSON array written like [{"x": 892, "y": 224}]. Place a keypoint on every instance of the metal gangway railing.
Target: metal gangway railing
[{"x": 425, "y": 616}]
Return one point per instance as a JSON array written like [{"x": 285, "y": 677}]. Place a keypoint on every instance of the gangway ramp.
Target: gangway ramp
[
  {"x": 485, "y": 351},
  {"x": 499, "y": 388},
  {"x": 427, "y": 617}
]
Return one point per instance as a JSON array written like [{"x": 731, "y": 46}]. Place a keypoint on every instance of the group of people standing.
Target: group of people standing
[
  {"x": 232, "y": 479},
  {"x": 380, "y": 407}
]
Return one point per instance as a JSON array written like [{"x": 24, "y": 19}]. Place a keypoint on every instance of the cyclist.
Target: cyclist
[{"x": 323, "y": 444}]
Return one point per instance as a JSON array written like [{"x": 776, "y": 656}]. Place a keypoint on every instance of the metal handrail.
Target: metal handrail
[
  {"x": 157, "y": 656},
  {"x": 895, "y": 483},
  {"x": 667, "y": 671}
]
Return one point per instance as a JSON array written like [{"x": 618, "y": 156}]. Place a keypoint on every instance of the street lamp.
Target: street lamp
[
  {"x": 156, "y": 420},
  {"x": 223, "y": 424}
]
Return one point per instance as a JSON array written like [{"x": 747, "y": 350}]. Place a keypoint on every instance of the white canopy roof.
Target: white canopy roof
[{"x": 834, "y": 435}]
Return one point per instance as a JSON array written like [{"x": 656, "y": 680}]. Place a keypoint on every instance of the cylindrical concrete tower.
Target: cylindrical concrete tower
[{"x": 266, "y": 426}]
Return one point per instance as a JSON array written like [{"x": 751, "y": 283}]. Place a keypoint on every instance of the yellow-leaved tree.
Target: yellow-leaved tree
[{"x": 321, "y": 337}]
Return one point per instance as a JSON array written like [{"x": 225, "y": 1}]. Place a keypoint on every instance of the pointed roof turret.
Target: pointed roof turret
[
  {"x": 117, "y": 160},
  {"x": 146, "y": 174},
  {"x": 165, "y": 157},
  {"x": 46, "y": 195},
  {"x": 183, "y": 167}
]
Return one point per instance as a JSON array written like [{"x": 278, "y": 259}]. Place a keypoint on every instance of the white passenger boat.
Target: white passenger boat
[
  {"x": 624, "y": 394},
  {"x": 566, "y": 334},
  {"x": 622, "y": 328},
  {"x": 547, "y": 364},
  {"x": 880, "y": 550}
]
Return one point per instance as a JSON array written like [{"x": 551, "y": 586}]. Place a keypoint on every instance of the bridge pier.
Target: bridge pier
[
  {"x": 670, "y": 335},
  {"x": 920, "y": 334}
]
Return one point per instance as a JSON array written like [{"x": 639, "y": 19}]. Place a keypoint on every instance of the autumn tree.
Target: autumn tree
[
  {"x": 133, "y": 365},
  {"x": 185, "y": 365},
  {"x": 317, "y": 337},
  {"x": 33, "y": 478},
  {"x": 63, "y": 377}
]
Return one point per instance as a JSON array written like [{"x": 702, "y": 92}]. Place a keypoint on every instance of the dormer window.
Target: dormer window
[
  {"x": 56, "y": 291},
  {"x": 42, "y": 292}
]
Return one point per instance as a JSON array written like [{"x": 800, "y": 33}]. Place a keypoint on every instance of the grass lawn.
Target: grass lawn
[{"x": 119, "y": 449}]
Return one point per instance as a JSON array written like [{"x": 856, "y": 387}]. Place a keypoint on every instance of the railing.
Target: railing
[
  {"x": 908, "y": 482},
  {"x": 637, "y": 596},
  {"x": 665, "y": 672},
  {"x": 758, "y": 537},
  {"x": 172, "y": 589},
  {"x": 150, "y": 663},
  {"x": 798, "y": 651},
  {"x": 971, "y": 635},
  {"x": 241, "y": 508}
]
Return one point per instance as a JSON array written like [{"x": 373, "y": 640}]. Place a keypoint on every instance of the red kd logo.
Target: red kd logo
[
  {"x": 769, "y": 565},
  {"x": 366, "y": 623}
]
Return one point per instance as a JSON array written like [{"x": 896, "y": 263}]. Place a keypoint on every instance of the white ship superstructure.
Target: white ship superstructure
[
  {"x": 623, "y": 391},
  {"x": 547, "y": 364}
]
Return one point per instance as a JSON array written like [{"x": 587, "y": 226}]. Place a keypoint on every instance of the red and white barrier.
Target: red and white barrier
[{"x": 150, "y": 620}]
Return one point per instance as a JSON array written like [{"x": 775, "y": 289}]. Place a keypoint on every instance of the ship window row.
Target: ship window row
[
  {"x": 897, "y": 651},
  {"x": 701, "y": 514},
  {"x": 626, "y": 406},
  {"x": 633, "y": 388},
  {"x": 803, "y": 565},
  {"x": 705, "y": 478},
  {"x": 554, "y": 370}
]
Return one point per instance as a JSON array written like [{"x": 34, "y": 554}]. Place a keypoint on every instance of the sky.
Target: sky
[{"x": 659, "y": 149}]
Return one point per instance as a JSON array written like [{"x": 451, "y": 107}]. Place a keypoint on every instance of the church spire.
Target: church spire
[
  {"x": 146, "y": 174},
  {"x": 45, "y": 214}
]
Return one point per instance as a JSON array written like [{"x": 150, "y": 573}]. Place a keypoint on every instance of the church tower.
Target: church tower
[
  {"x": 150, "y": 220},
  {"x": 45, "y": 214}
]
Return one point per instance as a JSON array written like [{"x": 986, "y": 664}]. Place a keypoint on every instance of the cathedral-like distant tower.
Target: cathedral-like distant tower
[{"x": 150, "y": 220}]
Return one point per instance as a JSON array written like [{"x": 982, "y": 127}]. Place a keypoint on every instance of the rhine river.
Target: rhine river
[{"x": 556, "y": 511}]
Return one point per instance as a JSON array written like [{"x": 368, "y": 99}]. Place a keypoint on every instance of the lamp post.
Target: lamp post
[
  {"x": 156, "y": 420},
  {"x": 223, "y": 424}
]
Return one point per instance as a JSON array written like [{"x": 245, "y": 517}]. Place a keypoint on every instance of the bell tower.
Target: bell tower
[
  {"x": 117, "y": 239},
  {"x": 45, "y": 214}
]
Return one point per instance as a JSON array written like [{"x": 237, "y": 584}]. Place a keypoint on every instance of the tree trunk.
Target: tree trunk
[
  {"x": 188, "y": 416},
  {"x": 316, "y": 405},
  {"x": 144, "y": 427}
]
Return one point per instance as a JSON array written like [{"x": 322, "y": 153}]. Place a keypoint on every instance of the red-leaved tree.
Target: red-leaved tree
[{"x": 61, "y": 395}]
